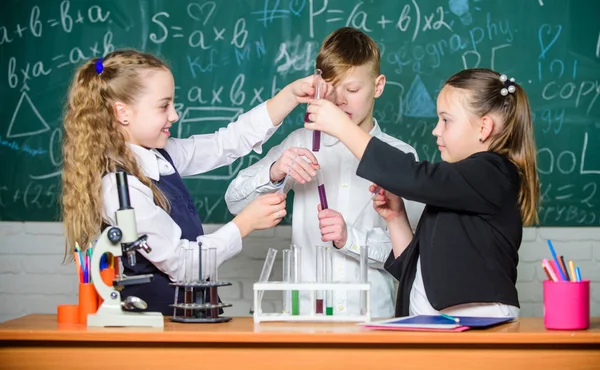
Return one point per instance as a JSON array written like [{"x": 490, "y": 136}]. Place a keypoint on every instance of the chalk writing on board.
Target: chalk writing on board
[
  {"x": 228, "y": 57},
  {"x": 417, "y": 101},
  {"x": 26, "y": 127}
]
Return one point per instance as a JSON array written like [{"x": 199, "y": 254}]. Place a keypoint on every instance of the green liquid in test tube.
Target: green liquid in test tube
[
  {"x": 296, "y": 273},
  {"x": 295, "y": 302},
  {"x": 328, "y": 252}
]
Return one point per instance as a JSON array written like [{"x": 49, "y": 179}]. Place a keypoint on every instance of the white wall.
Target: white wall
[{"x": 33, "y": 280}]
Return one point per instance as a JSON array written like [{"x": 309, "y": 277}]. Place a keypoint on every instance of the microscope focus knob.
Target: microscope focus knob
[{"x": 114, "y": 235}]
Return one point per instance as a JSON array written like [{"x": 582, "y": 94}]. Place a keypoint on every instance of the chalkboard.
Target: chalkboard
[{"x": 228, "y": 56}]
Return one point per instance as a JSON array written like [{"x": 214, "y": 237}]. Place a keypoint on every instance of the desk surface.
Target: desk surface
[{"x": 243, "y": 330}]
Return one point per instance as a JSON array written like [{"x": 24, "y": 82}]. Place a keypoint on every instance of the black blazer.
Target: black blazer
[{"x": 470, "y": 232}]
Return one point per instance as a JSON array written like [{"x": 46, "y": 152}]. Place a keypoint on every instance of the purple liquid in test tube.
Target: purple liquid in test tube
[
  {"x": 316, "y": 144},
  {"x": 321, "y": 189},
  {"x": 322, "y": 196},
  {"x": 318, "y": 84}
]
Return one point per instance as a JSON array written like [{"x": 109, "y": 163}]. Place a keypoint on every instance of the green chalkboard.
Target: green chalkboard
[{"x": 228, "y": 56}]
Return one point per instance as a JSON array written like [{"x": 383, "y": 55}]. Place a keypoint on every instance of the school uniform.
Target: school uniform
[
  {"x": 169, "y": 233},
  {"x": 467, "y": 241},
  {"x": 346, "y": 194}
]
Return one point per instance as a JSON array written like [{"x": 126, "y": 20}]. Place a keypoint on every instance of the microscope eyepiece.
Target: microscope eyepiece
[{"x": 123, "y": 190}]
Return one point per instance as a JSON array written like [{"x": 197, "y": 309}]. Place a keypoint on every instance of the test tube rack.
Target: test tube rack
[
  {"x": 206, "y": 306},
  {"x": 259, "y": 316}
]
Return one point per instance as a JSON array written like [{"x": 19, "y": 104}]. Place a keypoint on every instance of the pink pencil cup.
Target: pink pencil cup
[{"x": 567, "y": 305}]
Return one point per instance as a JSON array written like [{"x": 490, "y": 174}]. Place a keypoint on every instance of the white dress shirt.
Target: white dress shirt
[
  {"x": 194, "y": 155},
  {"x": 347, "y": 194},
  {"x": 419, "y": 303}
]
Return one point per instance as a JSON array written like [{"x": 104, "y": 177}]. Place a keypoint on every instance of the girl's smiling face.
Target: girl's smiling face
[{"x": 152, "y": 114}]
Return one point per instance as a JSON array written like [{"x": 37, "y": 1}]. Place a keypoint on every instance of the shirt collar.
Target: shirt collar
[
  {"x": 329, "y": 140},
  {"x": 147, "y": 159}
]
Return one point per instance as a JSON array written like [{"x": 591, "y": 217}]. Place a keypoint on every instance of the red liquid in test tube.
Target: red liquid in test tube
[{"x": 319, "y": 306}]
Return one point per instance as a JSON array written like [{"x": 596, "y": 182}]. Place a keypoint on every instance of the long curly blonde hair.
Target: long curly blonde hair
[{"x": 94, "y": 144}]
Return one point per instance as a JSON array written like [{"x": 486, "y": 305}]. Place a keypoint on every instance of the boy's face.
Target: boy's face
[{"x": 356, "y": 93}]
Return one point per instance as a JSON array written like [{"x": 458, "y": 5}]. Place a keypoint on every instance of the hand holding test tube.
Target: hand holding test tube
[
  {"x": 287, "y": 175},
  {"x": 319, "y": 85}
]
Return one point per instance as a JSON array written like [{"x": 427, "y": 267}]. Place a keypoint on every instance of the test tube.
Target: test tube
[
  {"x": 321, "y": 189},
  {"x": 328, "y": 256},
  {"x": 188, "y": 278},
  {"x": 319, "y": 86},
  {"x": 287, "y": 278},
  {"x": 266, "y": 272},
  {"x": 210, "y": 256},
  {"x": 363, "y": 209},
  {"x": 296, "y": 264},
  {"x": 320, "y": 277},
  {"x": 364, "y": 277},
  {"x": 201, "y": 271}
]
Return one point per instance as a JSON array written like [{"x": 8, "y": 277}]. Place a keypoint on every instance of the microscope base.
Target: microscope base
[{"x": 152, "y": 319}]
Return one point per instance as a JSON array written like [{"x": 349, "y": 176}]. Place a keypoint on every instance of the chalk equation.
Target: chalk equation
[{"x": 228, "y": 57}]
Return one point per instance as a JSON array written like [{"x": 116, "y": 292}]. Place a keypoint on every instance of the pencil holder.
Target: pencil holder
[
  {"x": 567, "y": 305},
  {"x": 88, "y": 301}
]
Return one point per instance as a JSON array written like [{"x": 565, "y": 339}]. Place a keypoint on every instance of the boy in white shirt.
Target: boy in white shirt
[{"x": 349, "y": 61}]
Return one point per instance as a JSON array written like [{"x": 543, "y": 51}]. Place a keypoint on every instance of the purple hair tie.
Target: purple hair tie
[{"x": 99, "y": 66}]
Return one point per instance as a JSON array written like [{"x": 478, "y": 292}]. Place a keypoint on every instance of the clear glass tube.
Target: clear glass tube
[
  {"x": 328, "y": 256},
  {"x": 188, "y": 266},
  {"x": 265, "y": 273},
  {"x": 188, "y": 278},
  {"x": 210, "y": 256},
  {"x": 287, "y": 278},
  {"x": 296, "y": 263},
  {"x": 364, "y": 276},
  {"x": 320, "y": 277},
  {"x": 319, "y": 85}
]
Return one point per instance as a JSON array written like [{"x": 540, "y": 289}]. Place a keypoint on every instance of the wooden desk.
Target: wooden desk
[{"x": 38, "y": 342}]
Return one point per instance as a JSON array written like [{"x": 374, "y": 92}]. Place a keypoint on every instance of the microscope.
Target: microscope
[{"x": 116, "y": 240}]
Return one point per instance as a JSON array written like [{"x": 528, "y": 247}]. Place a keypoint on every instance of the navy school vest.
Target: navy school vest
[{"x": 158, "y": 294}]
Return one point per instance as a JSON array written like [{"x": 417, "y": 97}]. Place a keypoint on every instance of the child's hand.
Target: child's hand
[
  {"x": 304, "y": 91},
  {"x": 389, "y": 206},
  {"x": 293, "y": 160},
  {"x": 327, "y": 117},
  {"x": 264, "y": 212},
  {"x": 333, "y": 227}
]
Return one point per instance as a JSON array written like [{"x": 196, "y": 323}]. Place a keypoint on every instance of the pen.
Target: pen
[
  {"x": 560, "y": 271},
  {"x": 455, "y": 319},
  {"x": 563, "y": 266},
  {"x": 550, "y": 270},
  {"x": 578, "y": 273},
  {"x": 572, "y": 269}
]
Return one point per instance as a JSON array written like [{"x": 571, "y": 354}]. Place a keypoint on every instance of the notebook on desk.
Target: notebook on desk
[{"x": 436, "y": 323}]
